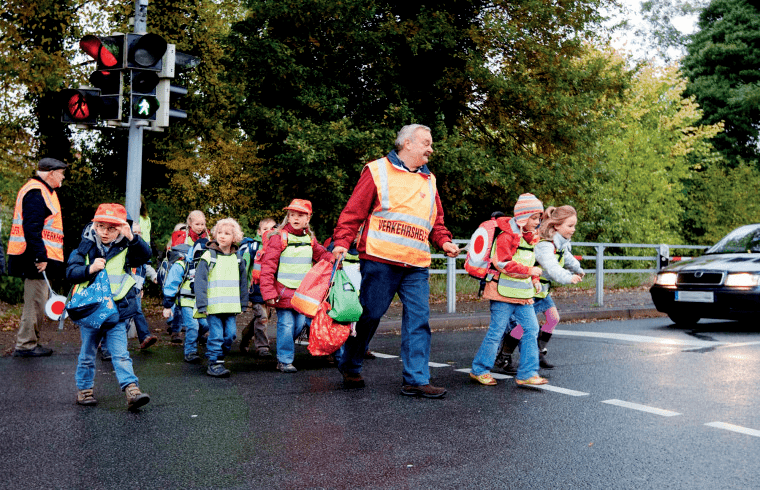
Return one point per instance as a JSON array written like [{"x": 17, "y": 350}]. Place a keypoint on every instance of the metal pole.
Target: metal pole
[
  {"x": 600, "y": 275},
  {"x": 134, "y": 149},
  {"x": 451, "y": 284}
]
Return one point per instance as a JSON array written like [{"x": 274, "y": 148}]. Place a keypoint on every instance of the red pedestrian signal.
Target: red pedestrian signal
[
  {"x": 81, "y": 106},
  {"x": 108, "y": 51}
]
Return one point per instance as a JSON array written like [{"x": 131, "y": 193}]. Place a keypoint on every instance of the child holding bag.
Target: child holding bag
[
  {"x": 288, "y": 256},
  {"x": 108, "y": 243}
]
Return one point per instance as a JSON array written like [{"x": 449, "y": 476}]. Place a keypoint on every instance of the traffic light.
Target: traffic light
[
  {"x": 168, "y": 93},
  {"x": 145, "y": 54},
  {"x": 81, "y": 106},
  {"x": 108, "y": 52}
]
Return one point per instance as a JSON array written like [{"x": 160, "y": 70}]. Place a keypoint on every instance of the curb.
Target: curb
[{"x": 454, "y": 321}]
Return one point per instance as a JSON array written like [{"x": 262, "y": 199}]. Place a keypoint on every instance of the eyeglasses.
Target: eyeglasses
[{"x": 107, "y": 229}]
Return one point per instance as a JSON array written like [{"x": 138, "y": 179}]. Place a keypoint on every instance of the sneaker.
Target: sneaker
[
  {"x": 192, "y": 358},
  {"x": 105, "y": 355},
  {"x": 38, "y": 351},
  {"x": 425, "y": 391},
  {"x": 534, "y": 381},
  {"x": 149, "y": 340},
  {"x": 484, "y": 379},
  {"x": 286, "y": 368},
  {"x": 84, "y": 397},
  {"x": 176, "y": 338},
  {"x": 264, "y": 352},
  {"x": 217, "y": 370},
  {"x": 353, "y": 380},
  {"x": 135, "y": 397}
]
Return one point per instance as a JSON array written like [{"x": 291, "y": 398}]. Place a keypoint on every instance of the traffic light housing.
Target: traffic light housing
[
  {"x": 145, "y": 53},
  {"x": 80, "y": 106},
  {"x": 107, "y": 51},
  {"x": 168, "y": 93}
]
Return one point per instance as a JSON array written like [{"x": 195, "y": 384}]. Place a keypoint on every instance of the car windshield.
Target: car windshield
[{"x": 742, "y": 240}]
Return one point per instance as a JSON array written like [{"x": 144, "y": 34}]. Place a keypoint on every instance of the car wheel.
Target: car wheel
[{"x": 683, "y": 318}]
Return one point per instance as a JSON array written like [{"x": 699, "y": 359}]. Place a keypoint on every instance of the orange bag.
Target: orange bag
[
  {"x": 313, "y": 289},
  {"x": 325, "y": 334}
]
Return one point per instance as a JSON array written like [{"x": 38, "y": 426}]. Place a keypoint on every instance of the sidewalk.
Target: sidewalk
[{"x": 573, "y": 305}]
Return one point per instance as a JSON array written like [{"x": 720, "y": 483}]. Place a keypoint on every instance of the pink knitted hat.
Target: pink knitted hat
[{"x": 527, "y": 205}]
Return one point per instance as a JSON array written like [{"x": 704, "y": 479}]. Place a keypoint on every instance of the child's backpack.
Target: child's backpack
[
  {"x": 478, "y": 260},
  {"x": 177, "y": 252},
  {"x": 247, "y": 252},
  {"x": 256, "y": 269}
]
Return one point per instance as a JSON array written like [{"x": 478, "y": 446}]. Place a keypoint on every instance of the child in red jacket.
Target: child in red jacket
[{"x": 289, "y": 254}]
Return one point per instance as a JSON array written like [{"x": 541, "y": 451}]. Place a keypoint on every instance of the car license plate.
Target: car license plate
[{"x": 695, "y": 296}]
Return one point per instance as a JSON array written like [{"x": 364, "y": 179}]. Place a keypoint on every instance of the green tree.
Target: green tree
[{"x": 723, "y": 68}]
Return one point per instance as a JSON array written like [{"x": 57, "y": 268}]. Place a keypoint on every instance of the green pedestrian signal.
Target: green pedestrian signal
[{"x": 144, "y": 106}]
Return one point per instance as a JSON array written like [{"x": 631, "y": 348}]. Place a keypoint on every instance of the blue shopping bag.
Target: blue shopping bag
[{"x": 93, "y": 306}]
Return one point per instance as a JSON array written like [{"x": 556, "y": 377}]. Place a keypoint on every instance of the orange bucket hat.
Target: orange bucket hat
[
  {"x": 111, "y": 213},
  {"x": 300, "y": 205}
]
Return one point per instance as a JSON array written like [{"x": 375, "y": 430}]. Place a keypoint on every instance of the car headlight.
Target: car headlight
[
  {"x": 743, "y": 279},
  {"x": 666, "y": 279}
]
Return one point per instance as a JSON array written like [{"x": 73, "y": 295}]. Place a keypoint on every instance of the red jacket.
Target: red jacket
[
  {"x": 270, "y": 262},
  {"x": 358, "y": 209},
  {"x": 506, "y": 246}
]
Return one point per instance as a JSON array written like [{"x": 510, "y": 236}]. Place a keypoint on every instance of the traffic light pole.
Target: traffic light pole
[{"x": 134, "y": 149}]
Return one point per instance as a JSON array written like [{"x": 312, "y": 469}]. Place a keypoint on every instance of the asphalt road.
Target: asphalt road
[{"x": 637, "y": 403}]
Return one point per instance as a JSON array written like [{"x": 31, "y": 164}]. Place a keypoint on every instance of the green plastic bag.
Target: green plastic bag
[{"x": 344, "y": 299}]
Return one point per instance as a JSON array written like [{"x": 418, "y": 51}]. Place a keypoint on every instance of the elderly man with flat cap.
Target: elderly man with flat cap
[{"x": 36, "y": 246}]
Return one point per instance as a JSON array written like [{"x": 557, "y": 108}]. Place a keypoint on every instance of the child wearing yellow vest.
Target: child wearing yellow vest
[
  {"x": 221, "y": 292},
  {"x": 108, "y": 243},
  {"x": 512, "y": 293},
  {"x": 288, "y": 256}
]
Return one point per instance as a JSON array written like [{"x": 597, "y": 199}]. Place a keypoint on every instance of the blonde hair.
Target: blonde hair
[
  {"x": 237, "y": 232},
  {"x": 554, "y": 217},
  {"x": 285, "y": 222},
  {"x": 197, "y": 214}
]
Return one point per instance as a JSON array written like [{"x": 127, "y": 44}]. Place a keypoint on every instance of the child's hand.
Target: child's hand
[
  {"x": 338, "y": 252},
  {"x": 535, "y": 271},
  {"x": 167, "y": 312},
  {"x": 576, "y": 279},
  {"x": 97, "y": 265},
  {"x": 126, "y": 230}
]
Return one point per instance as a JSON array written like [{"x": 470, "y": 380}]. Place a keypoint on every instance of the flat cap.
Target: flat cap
[{"x": 48, "y": 164}]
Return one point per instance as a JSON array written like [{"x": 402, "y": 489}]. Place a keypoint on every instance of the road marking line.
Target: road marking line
[
  {"x": 734, "y": 428},
  {"x": 640, "y": 338},
  {"x": 383, "y": 356},
  {"x": 557, "y": 389},
  {"x": 438, "y": 364},
  {"x": 495, "y": 375},
  {"x": 643, "y": 408}
]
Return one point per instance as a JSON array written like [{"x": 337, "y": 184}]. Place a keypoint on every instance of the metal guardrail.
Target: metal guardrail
[{"x": 661, "y": 259}]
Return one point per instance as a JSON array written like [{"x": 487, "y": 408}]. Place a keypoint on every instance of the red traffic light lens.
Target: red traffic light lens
[
  {"x": 78, "y": 108},
  {"x": 93, "y": 46}
]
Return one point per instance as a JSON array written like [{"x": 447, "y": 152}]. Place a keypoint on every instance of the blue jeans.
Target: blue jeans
[
  {"x": 222, "y": 331},
  {"x": 115, "y": 339},
  {"x": 192, "y": 329},
  {"x": 380, "y": 283},
  {"x": 290, "y": 323},
  {"x": 141, "y": 324},
  {"x": 540, "y": 305},
  {"x": 500, "y": 313},
  {"x": 175, "y": 322}
]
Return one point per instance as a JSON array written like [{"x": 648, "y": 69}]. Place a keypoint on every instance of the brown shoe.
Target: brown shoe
[
  {"x": 84, "y": 397},
  {"x": 176, "y": 338},
  {"x": 135, "y": 397},
  {"x": 425, "y": 391},
  {"x": 353, "y": 380},
  {"x": 149, "y": 340}
]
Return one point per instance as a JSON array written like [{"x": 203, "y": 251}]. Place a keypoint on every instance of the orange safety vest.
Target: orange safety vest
[
  {"x": 52, "y": 230},
  {"x": 401, "y": 222}
]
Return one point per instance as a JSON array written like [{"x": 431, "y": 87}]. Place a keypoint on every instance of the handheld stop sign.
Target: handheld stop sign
[{"x": 56, "y": 304}]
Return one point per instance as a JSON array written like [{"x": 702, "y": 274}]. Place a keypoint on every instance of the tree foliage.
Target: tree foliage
[{"x": 723, "y": 67}]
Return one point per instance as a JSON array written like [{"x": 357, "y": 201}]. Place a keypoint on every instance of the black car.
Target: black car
[{"x": 722, "y": 283}]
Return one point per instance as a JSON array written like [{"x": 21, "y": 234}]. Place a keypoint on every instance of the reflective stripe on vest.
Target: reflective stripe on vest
[
  {"x": 295, "y": 261},
  {"x": 223, "y": 284},
  {"x": 546, "y": 283},
  {"x": 52, "y": 229},
  {"x": 121, "y": 281},
  {"x": 400, "y": 224},
  {"x": 519, "y": 288},
  {"x": 186, "y": 296}
]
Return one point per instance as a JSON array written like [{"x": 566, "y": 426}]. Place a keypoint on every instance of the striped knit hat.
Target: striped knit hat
[{"x": 527, "y": 205}]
